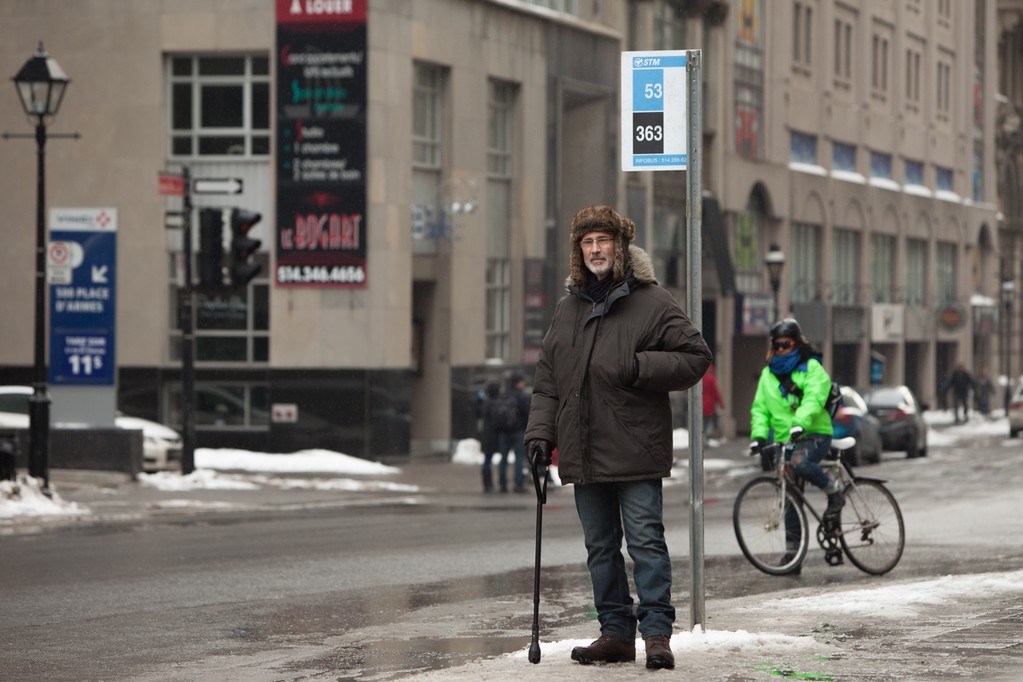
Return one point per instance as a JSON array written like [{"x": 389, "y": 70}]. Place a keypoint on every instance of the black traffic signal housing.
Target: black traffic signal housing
[
  {"x": 211, "y": 248},
  {"x": 243, "y": 247}
]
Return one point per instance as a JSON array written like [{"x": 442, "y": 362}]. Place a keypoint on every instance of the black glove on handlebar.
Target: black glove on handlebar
[
  {"x": 796, "y": 432},
  {"x": 757, "y": 445}
]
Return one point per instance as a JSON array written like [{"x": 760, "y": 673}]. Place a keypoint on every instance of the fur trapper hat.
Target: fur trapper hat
[{"x": 600, "y": 219}]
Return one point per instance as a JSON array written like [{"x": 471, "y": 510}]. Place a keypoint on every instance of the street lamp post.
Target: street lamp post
[
  {"x": 1008, "y": 293},
  {"x": 41, "y": 84},
  {"x": 775, "y": 262}
]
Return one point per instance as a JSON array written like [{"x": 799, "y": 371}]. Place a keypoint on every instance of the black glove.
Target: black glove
[
  {"x": 538, "y": 451},
  {"x": 796, "y": 432},
  {"x": 757, "y": 445}
]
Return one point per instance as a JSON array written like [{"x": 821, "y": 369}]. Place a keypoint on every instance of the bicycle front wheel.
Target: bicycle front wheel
[
  {"x": 771, "y": 529},
  {"x": 872, "y": 532}
]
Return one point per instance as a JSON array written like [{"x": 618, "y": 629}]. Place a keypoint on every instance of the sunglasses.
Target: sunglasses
[{"x": 783, "y": 345}]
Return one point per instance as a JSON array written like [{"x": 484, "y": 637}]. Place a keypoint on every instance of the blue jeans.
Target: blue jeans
[
  {"x": 505, "y": 443},
  {"x": 633, "y": 509},
  {"x": 806, "y": 456}
]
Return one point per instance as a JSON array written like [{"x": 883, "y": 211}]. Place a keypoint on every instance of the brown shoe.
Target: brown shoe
[
  {"x": 658, "y": 652},
  {"x": 606, "y": 649}
]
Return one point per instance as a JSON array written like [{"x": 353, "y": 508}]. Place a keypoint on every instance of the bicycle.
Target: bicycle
[{"x": 771, "y": 526}]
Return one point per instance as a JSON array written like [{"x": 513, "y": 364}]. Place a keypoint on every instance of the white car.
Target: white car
[{"x": 161, "y": 445}]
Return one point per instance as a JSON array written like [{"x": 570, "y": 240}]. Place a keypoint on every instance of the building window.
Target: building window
[
  {"x": 498, "y": 308},
  {"x": 749, "y": 81},
  {"x": 943, "y": 179},
  {"x": 430, "y": 221},
  {"x": 914, "y": 172},
  {"x": 219, "y": 106},
  {"x": 803, "y": 148},
  {"x": 843, "y": 157},
  {"x": 222, "y": 406},
  {"x": 879, "y": 66},
  {"x": 564, "y": 6},
  {"x": 230, "y": 326},
  {"x": 499, "y": 128},
  {"x": 916, "y": 271},
  {"x": 500, "y": 161},
  {"x": 943, "y": 88},
  {"x": 945, "y": 272},
  {"x": 427, "y": 116},
  {"x": 802, "y": 36},
  {"x": 845, "y": 265},
  {"x": 804, "y": 282},
  {"x": 882, "y": 268},
  {"x": 748, "y": 249},
  {"x": 843, "y": 51},
  {"x": 913, "y": 57},
  {"x": 881, "y": 165},
  {"x": 669, "y": 26}
]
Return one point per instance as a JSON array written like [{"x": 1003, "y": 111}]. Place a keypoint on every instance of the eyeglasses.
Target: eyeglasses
[
  {"x": 599, "y": 241},
  {"x": 783, "y": 345}
]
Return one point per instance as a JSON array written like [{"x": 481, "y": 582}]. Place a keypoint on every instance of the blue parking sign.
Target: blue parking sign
[{"x": 82, "y": 272}]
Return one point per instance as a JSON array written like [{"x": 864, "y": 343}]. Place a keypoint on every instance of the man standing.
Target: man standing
[
  {"x": 617, "y": 345},
  {"x": 961, "y": 384}
]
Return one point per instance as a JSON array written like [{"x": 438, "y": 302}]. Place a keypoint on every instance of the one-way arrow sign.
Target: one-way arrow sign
[{"x": 217, "y": 186}]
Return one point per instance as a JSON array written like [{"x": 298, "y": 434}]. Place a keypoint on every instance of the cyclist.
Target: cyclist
[{"x": 790, "y": 399}]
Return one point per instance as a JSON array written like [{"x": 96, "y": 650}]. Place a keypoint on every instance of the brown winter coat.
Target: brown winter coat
[{"x": 608, "y": 422}]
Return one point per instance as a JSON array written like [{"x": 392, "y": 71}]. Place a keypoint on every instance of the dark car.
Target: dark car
[
  {"x": 901, "y": 416},
  {"x": 854, "y": 419}
]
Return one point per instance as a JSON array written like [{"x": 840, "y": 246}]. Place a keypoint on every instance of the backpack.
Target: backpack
[
  {"x": 504, "y": 413},
  {"x": 830, "y": 405}
]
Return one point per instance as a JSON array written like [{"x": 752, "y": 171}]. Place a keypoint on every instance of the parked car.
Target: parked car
[
  {"x": 901, "y": 416},
  {"x": 854, "y": 419},
  {"x": 161, "y": 445},
  {"x": 1016, "y": 410}
]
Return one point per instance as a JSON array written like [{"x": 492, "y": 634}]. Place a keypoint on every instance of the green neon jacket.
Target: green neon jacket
[{"x": 776, "y": 408}]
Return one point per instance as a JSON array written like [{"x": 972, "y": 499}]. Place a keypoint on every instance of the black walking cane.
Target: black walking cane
[{"x": 538, "y": 463}]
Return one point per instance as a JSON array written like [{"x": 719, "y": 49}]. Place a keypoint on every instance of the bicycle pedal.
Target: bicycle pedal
[{"x": 834, "y": 558}]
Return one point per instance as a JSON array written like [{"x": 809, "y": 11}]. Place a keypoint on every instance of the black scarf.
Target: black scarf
[{"x": 597, "y": 289}]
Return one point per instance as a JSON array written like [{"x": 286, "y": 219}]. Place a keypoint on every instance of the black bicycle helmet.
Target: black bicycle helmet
[{"x": 787, "y": 328}]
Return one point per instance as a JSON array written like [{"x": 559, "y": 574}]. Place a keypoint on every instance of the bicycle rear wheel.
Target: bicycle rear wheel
[
  {"x": 872, "y": 532},
  {"x": 760, "y": 517}
]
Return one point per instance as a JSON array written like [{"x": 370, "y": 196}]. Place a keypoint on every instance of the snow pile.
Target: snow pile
[
  {"x": 303, "y": 461},
  {"x": 24, "y": 497},
  {"x": 905, "y": 600}
]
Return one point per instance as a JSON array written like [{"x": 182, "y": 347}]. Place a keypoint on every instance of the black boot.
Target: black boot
[
  {"x": 835, "y": 501},
  {"x": 488, "y": 483}
]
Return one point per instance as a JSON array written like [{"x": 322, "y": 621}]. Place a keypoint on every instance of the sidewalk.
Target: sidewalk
[{"x": 952, "y": 627}]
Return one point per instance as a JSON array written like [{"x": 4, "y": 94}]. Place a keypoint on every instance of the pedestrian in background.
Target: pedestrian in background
[
  {"x": 961, "y": 383},
  {"x": 510, "y": 435},
  {"x": 983, "y": 392},
  {"x": 489, "y": 442},
  {"x": 617, "y": 345},
  {"x": 712, "y": 400}
]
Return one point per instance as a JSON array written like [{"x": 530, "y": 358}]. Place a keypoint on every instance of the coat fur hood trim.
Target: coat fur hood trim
[{"x": 639, "y": 260}]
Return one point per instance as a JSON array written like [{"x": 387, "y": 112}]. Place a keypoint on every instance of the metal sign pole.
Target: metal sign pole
[
  {"x": 187, "y": 337},
  {"x": 694, "y": 226}
]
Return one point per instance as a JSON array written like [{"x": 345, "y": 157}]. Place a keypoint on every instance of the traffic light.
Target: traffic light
[
  {"x": 243, "y": 247},
  {"x": 211, "y": 248}
]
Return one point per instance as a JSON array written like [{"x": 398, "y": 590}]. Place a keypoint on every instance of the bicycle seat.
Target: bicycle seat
[{"x": 843, "y": 444}]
